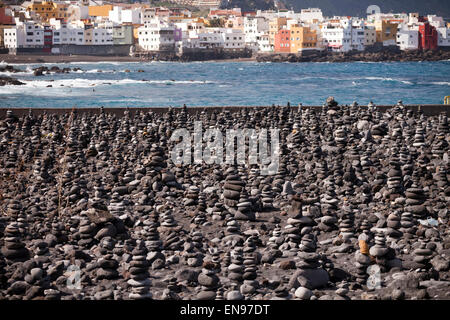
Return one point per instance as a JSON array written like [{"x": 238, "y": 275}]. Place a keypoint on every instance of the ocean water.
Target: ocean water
[{"x": 229, "y": 84}]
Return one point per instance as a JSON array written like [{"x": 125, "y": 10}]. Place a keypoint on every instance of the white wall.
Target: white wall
[
  {"x": 311, "y": 14},
  {"x": 443, "y": 36},
  {"x": 407, "y": 39}
]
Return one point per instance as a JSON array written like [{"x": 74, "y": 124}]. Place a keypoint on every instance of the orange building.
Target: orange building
[
  {"x": 302, "y": 38},
  {"x": 49, "y": 10},
  {"x": 100, "y": 11},
  {"x": 282, "y": 41}
]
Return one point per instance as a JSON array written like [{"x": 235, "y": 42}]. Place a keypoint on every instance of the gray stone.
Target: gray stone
[
  {"x": 309, "y": 278},
  {"x": 303, "y": 293}
]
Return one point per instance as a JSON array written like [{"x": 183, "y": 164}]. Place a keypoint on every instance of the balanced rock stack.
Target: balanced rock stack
[
  {"x": 140, "y": 282},
  {"x": 107, "y": 265},
  {"x": 244, "y": 208},
  {"x": 191, "y": 197},
  {"x": 87, "y": 232},
  {"x": 14, "y": 249},
  {"x": 394, "y": 181},
  {"x": 380, "y": 250},
  {"x": 168, "y": 220},
  {"x": 329, "y": 206},
  {"x": 310, "y": 274},
  {"x": 346, "y": 224},
  {"x": 236, "y": 268},
  {"x": 267, "y": 197},
  {"x": 291, "y": 234},
  {"x": 419, "y": 139},
  {"x": 232, "y": 226},
  {"x": 423, "y": 255},
  {"x": 250, "y": 258},
  {"x": 232, "y": 188},
  {"x": 156, "y": 160},
  {"x": 218, "y": 211},
  {"x": 276, "y": 239},
  {"x": 362, "y": 260},
  {"x": 209, "y": 282},
  {"x": 415, "y": 198},
  {"x": 408, "y": 224},
  {"x": 393, "y": 225}
]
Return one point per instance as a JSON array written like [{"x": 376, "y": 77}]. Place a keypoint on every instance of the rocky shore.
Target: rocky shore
[
  {"x": 92, "y": 207},
  {"x": 10, "y": 81},
  {"x": 384, "y": 56}
]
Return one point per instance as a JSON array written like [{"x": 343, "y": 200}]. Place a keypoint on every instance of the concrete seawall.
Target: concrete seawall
[{"x": 426, "y": 109}]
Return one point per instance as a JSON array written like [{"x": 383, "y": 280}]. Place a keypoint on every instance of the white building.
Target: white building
[
  {"x": 211, "y": 38},
  {"x": 102, "y": 34},
  {"x": 254, "y": 28},
  {"x": 436, "y": 21},
  {"x": 263, "y": 42},
  {"x": 336, "y": 37},
  {"x": 268, "y": 14},
  {"x": 443, "y": 36},
  {"x": 24, "y": 35},
  {"x": 67, "y": 33},
  {"x": 233, "y": 39},
  {"x": 311, "y": 14},
  {"x": 77, "y": 12},
  {"x": 407, "y": 38},
  {"x": 118, "y": 15},
  {"x": 157, "y": 36},
  {"x": 347, "y": 35}
]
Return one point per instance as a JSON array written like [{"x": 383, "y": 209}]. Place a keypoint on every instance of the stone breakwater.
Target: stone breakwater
[
  {"x": 357, "y": 210},
  {"x": 383, "y": 56}
]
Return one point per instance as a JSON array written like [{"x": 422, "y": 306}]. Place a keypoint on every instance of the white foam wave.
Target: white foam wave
[
  {"x": 87, "y": 83},
  {"x": 379, "y": 78},
  {"x": 441, "y": 83}
]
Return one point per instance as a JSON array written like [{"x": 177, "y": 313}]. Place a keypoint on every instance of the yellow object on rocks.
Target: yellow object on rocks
[
  {"x": 363, "y": 247},
  {"x": 447, "y": 100}
]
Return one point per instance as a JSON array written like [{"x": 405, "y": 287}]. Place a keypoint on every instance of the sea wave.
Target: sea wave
[
  {"x": 441, "y": 83},
  {"x": 87, "y": 83},
  {"x": 388, "y": 79}
]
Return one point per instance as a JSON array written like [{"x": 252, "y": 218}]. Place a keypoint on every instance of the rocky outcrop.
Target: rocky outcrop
[
  {"x": 381, "y": 56},
  {"x": 39, "y": 71},
  {"x": 197, "y": 55},
  {"x": 4, "y": 81}
]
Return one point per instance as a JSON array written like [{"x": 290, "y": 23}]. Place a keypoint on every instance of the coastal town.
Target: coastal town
[{"x": 103, "y": 28}]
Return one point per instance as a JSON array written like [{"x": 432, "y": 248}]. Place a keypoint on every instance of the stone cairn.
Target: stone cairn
[
  {"x": 208, "y": 280},
  {"x": 14, "y": 249},
  {"x": 380, "y": 250},
  {"x": 140, "y": 279},
  {"x": 107, "y": 265},
  {"x": 250, "y": 270},
  {"x": 362, "y": 259},
  {"x": 235, "y": 272},
  {"x": 422, "y": 255}
]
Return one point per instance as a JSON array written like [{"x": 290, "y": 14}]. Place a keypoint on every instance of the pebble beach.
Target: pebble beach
[{"x": 358, "y": 209}]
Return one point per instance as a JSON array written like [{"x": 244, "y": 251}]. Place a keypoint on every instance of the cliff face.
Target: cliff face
[{"x": 359, "y": 8}]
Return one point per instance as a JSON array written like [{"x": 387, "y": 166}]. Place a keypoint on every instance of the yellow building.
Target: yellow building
[
  {"x": 48, "y": 10},
  {"x": 302, "y": 38},
  {"x": 100, "y": 11},
  {"x": 386, "y": 31},
  {"x": 274, "y": 26}
]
